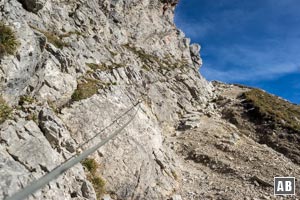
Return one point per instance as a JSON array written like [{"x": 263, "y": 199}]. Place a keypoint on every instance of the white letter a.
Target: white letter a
[{"x": 280, "y": 186}]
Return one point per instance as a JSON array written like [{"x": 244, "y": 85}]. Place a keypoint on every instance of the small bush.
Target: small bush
[
  {"x": 5, "y": 110},
  {"x": 8, "y": 41}
]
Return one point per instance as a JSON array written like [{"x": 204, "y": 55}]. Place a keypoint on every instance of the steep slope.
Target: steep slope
[
  {"x": 73, "y": 67},
  {"x": 224, "y": 156}
]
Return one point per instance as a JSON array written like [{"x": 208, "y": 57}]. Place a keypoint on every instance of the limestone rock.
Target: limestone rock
[
  {"x": 33, "y": 5},
  {"x": 27, "y": 155},
  {"x": 195, "y": 49},
  {"x": 176, "y": 197}
]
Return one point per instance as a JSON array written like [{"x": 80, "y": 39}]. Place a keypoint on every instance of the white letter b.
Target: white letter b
[{"x": 288, "y": 186}]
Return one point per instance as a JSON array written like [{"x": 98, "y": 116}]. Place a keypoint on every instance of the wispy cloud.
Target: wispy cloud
[
  {"x": 192, "y": 28},
  {"x": 195, "y": 30},
  {"x": 243, "y": 41},
  {"x": 251, "y": 42},
  {"x": 250, "y": 74},
  {"x": 246, "y": 63},
  {"x": 297, "y": 86}
]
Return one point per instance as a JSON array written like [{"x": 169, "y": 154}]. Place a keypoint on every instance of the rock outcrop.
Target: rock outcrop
[
  {"x": 78, "y": 66},
  {"x": 125, "y": 50}
]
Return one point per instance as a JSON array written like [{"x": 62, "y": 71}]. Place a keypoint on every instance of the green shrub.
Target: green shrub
[
  {"x": 8, "y": 41},
  {"x": 5, "y": 110}
]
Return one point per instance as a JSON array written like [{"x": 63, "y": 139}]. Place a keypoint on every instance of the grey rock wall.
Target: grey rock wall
[{"x": 145, "y": 57}]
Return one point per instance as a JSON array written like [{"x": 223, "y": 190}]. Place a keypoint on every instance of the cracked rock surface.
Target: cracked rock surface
[{"x": 80, "y": 64}]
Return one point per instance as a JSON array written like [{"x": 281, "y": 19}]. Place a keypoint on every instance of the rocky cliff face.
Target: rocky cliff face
[{"x": 78, "y": 65}]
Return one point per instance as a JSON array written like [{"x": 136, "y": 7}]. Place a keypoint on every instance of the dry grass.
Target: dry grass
[
  {"x": 85, "y": 89},
  {"x": 98, "y": 182},
  {"x": 88, "y": 86},
  {"x": 26, "y": 99},
  {"x": 103, "y": 67},
  {"x": 53, "y": 38},
  {"x": 8, "y": 41},
  {"x": 5, "y": 110},
  {"x": 91, "y": 165},
  {"x": 148, "y": 60},
  {"x": 267, "y": 106}
]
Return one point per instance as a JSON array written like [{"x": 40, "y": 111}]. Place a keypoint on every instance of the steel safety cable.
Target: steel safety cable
[{"x": 41, "y": 182}]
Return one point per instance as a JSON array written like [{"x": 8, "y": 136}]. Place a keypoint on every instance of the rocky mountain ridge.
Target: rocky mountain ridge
[{"x": 78, "y": 65}]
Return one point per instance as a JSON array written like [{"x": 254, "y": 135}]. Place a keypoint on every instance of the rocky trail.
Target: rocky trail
[{"x": 218, "y": 161}]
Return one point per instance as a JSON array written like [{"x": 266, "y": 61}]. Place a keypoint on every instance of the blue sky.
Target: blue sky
[{"x": 256, "y": 43}]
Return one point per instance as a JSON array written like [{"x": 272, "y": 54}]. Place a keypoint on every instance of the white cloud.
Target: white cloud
[
  {"x": 250, "y": 74},
  {"x": 251, "y": 57},
  {"x": 192, "y": 30},
  {"x": 250, "y": 63},
  {"x": 193, "y": 27}
]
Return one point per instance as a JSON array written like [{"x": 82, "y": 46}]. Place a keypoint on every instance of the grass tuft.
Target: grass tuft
[
  {"x": 53, "y": 38},
  {"x": 91, "y": 165},
  {"x": 174, "y": 174},
  {"x": 85, "y": 89},
  {"x": 98, "y": 182},
  {"x": 103, "y": 67},
  {"x": 149, "y": 60},
  {"x": 26, "y": 99},
  {"x": 99, "y": 186},
  {"x": 8, "y": 41},
  {"x": 5, "y": 110}
]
